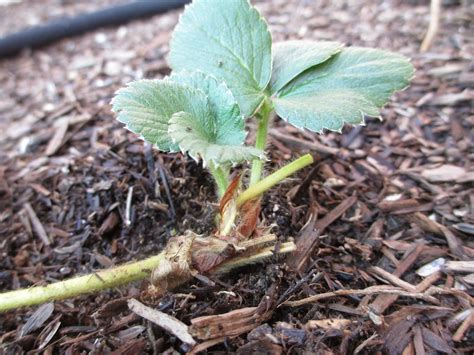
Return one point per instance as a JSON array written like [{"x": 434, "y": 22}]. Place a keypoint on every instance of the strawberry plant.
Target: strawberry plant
[{"x": 226, "y": 72}]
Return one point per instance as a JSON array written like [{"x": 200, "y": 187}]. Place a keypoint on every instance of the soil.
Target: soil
[{"x": 380, "y": 202}]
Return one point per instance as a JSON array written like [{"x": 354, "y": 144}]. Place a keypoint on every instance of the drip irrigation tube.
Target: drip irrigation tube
[{"x": 38, "y": 36}]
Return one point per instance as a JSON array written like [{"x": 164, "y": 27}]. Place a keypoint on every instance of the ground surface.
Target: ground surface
[{"x": 373, "y": 208}]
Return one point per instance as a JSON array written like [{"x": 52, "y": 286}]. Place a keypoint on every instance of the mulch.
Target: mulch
[{"x": 383, "y": 220}]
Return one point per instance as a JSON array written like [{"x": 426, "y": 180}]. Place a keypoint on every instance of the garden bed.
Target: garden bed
[{"x": 78, "y": 194}]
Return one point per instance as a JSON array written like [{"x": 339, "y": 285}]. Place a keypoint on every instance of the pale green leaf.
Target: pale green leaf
[
  {"x": 291, "y": 58},
  {"x": 229, "y": 40},
  {"x": 146, "y": 107},
  {"x": 351, "y": 84},
  {"x": 194, "y": 138},
  {"x": 223, "y": 105}
]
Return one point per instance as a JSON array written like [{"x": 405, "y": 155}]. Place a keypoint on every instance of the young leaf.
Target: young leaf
[
  {"x": 351, "y": 84},
  {"x": 229, "y": 40},
  {"x": 291, "y": 58},
  {"x": 193, "y": 137},
  {"x": 223, "y": 104},
  {"x": 146, "y": 107}
]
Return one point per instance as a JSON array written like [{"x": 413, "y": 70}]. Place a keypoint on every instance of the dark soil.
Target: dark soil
[{"x": 370, "y": 205}]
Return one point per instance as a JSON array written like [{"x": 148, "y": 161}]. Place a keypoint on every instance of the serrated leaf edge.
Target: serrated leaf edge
[
  {"x": 362, "y": 114},
  {"x": 344, "y": 123},
  {"x": 119, "y": 114},
  {"x": 206, "y": 162},
  {"x": 261, "y": 18}
]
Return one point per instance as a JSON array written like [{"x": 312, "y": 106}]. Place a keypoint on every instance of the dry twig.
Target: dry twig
[
  {"x": 368, "y": 291},
  {"x": 435, "y": 12},
  {"x": 163, "y": 320}
]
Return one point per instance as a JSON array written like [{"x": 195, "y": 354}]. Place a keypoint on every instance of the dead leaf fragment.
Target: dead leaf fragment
[
  {"x": 432, "y": 267},
  {"x": 36, "y": 223},
  {"x": 228, "y": 207},
  {"x": 444, "y": 173},
  {"x": 435, "y": 341},
  {"x": 37, "y": 319},
  {"x": 326, "y": 324},
  {"x": 58, "y": 138},
  {"x": 467, "y": 228},
  {"x": 163, "y": 320},
  {"x": 249, "y": 218}
]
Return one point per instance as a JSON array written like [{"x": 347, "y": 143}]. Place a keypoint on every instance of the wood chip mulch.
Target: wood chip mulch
[{"x": 383, "y": 221}]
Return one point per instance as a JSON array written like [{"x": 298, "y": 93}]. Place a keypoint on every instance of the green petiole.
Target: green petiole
[
  {"x": 221, "y": 177},
  {"x": 267, "y": 183},
  {"x": 263, "y": 119}
]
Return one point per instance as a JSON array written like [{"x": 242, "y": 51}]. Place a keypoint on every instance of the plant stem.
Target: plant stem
[
  {"x": 139, "y": 270},
  {"x": 260, "y": 187},
  {"x": 263, "y": 117},
  {"x": 81, "y": 285},
  {"x": 221, "y": 177}
]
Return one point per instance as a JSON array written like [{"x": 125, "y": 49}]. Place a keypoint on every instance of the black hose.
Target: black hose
[{"x": 38, "y": 36}]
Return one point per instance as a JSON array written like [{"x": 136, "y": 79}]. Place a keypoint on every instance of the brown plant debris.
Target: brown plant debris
[{"x": 163, "y": 320}]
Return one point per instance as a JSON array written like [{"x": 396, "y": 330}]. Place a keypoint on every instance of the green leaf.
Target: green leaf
[
  {"x": 291, "y": 58},
  {"x": 146, "y": 107},
  {"x": 176, "y": 114},
  {"x": 194, "y": 138},
  {"x": 223, "y": 104},
  {"x": 351, "y": 84},
  {"x": 229, "y": 40}
]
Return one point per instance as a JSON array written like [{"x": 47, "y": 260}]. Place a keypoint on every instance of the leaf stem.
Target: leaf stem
[
  {"x": 81, "y": 285},
  {"x": 136, "y": 271},
  {"x": 221, "y": 177},
  {"x": 260, "y": 187},
  {"x": 263, "y": 117}
]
